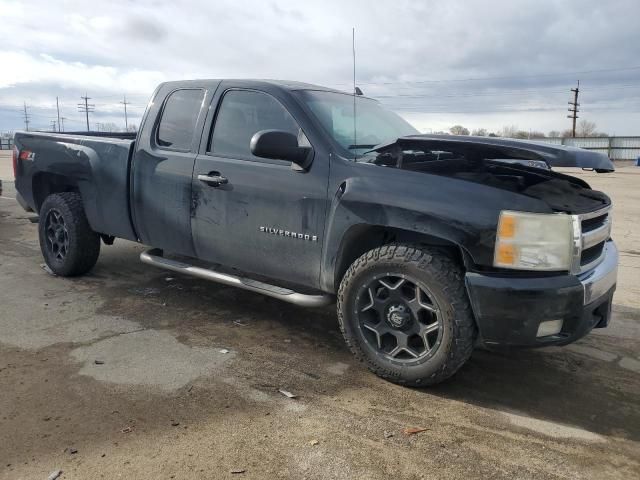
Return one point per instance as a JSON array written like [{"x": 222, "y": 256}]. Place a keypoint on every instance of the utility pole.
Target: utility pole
[
  {"x": 53, "y": 125},
  {"x": 58, "y": 109},
  {"x": 26, "y": 117},
  {"x": 62, "y": 119},
  {"x": 126, "y": 122},
  {"x": 574, "y": 111},
  {"x": 86, "y": 107}
]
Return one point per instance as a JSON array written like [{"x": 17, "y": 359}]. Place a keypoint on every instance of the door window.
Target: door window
[
  {"x": 242, "y": 113},
  {"x": 179, "y": 117}
]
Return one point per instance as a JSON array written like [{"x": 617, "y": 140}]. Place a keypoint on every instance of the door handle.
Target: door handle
[{"x": 213, "y": 179}]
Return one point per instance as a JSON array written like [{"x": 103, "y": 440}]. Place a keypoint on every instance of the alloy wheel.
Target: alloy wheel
[
  {"x": 57, "y": 235},
  {"x": 399, "y": 317}
]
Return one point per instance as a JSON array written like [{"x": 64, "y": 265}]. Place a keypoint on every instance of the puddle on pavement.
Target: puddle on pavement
[{"x": 148, "y": 357}]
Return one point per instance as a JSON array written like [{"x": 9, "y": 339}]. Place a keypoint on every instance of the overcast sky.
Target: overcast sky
[{"x": 438, "y": 63}]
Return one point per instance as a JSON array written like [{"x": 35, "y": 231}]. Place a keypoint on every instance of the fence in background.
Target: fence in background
[
  {"x": 616, "y": 148},
  {"x": 6, "y": 143}
]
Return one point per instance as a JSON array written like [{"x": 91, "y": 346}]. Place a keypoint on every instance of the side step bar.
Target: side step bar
[{"x": 154, "y": 257}]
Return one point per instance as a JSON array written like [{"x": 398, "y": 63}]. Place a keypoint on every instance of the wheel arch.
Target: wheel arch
[
  {"x": 361, "y": 238},
  {"x": 47, "y": 183}
]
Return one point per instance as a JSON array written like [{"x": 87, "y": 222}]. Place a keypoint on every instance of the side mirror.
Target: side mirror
[{"x": 281, "y": 145}]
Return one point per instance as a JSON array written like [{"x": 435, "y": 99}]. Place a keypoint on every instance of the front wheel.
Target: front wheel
[
  {"x": 68, "y": 244},
  {"x": 404, "y": 311}
]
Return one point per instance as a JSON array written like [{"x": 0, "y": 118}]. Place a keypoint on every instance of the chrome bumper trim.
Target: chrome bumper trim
[
  {"x": 600, "y": 234},
  {"x": 603, "y": 277}
]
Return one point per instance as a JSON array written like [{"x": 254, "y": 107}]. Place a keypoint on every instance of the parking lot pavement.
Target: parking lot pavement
[{"x": 146, "y": 374}]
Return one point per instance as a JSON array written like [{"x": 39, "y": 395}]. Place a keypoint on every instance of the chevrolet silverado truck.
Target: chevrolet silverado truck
[{"x": 431, "y": 245}]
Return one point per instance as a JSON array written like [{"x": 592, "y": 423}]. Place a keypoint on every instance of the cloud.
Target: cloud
[
  {"x": 27, "y": 69},
  {"x": 144, "y": 29},
  {"x": 424, "y": 58}
]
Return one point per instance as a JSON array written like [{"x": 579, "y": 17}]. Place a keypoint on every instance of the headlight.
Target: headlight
[{"x": 534, "y": 241}]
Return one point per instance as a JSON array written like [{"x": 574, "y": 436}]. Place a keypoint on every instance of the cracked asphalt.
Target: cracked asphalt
[{"x": 147, "y": 374}]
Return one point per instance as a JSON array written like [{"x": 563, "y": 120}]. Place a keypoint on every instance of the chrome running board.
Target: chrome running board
[{"x": 154, "y": 257}]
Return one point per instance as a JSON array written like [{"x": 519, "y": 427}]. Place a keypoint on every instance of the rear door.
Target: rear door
[
  {"x": 267, "y": 218},
  {"x": 163, "y": 167}
]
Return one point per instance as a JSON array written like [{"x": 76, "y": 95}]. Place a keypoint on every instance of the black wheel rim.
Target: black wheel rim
[
  {"x": 57, "y": 236},
  {"x": 399, "y": 318}
]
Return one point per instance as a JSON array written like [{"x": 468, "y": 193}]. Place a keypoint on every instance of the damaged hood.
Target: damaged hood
[{"x": 511, "y": 149}]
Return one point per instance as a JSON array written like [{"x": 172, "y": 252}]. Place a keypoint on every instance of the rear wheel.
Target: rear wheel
[
  {"x": 403, "y": 310},
  {"x": 68, "y": 244}
]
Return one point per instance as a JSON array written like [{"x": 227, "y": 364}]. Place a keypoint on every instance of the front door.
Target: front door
[{"x": 257, "y": 215}]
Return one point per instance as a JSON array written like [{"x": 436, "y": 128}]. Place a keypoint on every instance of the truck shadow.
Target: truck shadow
[{"x": 557, "y": 385}]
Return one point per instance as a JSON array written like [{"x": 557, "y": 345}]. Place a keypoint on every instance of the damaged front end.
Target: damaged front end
[
  {"x": 525, "y": 152},
  {"x": 513, "y": 165}
]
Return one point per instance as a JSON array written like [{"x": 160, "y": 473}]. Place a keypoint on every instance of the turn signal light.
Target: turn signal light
[{"x": 533, "y": 241}]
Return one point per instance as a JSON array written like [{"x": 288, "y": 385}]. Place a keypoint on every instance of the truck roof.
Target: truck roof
[{"x": 249, "y": 82}]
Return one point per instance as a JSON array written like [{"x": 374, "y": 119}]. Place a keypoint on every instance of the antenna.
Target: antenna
[{"x": 353, "y": 49}]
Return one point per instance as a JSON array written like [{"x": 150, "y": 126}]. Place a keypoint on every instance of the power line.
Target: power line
[
  {"x": 575, "y": 109},
  {"x": 516, "y": 92},
  {"x": 86, "y": 108},
  {"x": 505, "y": 77}
]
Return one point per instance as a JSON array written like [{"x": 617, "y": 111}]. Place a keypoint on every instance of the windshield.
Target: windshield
[{"x": 374, "y": 124}]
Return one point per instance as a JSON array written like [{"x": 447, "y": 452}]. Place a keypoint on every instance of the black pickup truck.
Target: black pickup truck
[{"x": 431, "y": 244}]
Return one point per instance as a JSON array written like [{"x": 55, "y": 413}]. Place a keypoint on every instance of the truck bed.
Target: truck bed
[{"x": 96, "y": 164}]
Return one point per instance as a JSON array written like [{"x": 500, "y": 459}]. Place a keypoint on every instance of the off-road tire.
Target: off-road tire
[
  {"x": 83, "y": 243},
  {"x": 444, "y": 277}
]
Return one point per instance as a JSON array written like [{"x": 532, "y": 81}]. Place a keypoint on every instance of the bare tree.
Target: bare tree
[
  {"x": 509, "y": 131},
  {"x": 459, "y": 130},
  {"x": 110, "y": 127},
  {"x": 554, "y": 133},
  {"x": 567, "y": 133},
  {"x": 480, "y": 132},
  {"x": 586, "y": 128}
]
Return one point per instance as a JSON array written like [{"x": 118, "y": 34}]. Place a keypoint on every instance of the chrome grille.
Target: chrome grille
[{"x": 595, "y": 230}]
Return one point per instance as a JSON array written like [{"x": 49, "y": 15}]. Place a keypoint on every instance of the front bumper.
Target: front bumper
[{"x": 509, "y": 310}]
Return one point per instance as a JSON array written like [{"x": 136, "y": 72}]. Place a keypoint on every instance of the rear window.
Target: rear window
[{"x": 179, "y": 118}]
